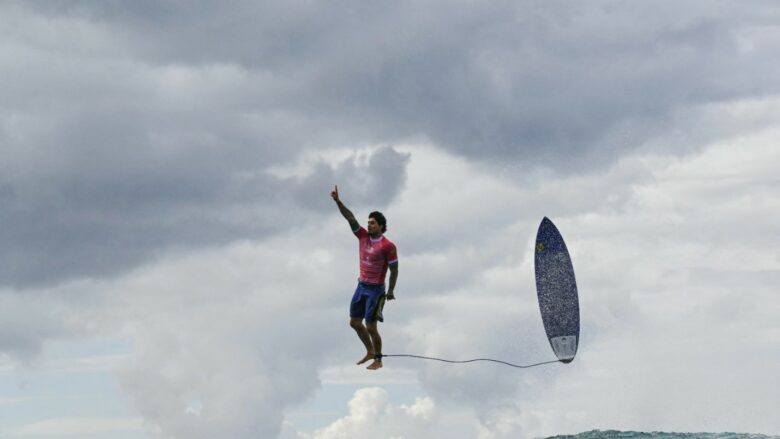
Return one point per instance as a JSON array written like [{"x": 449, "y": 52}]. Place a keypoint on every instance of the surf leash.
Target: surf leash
[{"x": 519, "y": 366}]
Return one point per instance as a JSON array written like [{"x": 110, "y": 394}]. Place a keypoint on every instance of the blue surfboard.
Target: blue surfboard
[{"x": 556, "y": 289}]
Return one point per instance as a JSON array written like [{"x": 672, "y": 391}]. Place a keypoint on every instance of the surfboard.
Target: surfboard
[{"x": 556, "y": 289}]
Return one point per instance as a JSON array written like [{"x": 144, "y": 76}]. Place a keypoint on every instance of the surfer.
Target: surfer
[{"x": 377, "y": 254}]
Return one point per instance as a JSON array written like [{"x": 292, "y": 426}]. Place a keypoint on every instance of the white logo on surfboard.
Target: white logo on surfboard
[{"x": 564, "y": 346}]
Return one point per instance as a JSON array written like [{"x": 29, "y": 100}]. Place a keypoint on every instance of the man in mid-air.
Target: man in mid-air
[{"x": 377, "y": 254}]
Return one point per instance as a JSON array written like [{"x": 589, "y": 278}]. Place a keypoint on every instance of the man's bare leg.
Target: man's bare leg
[
  {"x": 357, "y": 324},
  {"x": 376, "y": 340}
]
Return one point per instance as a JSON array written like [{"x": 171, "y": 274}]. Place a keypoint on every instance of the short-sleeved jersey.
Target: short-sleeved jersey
[{"x": 375, "y": 256}]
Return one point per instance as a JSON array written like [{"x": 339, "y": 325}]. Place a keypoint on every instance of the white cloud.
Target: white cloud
[
  {"x": 654, "y": 298},
  {"x": 226, "y": 339},
  {"x": 677, "y": 273},
  {"x": 371, "y": 415}
]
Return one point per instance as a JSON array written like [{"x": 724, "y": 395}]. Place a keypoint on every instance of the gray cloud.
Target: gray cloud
[
  {"x": 95, "y": 225},
  {"x": 26, "y": 322},
  {"x": 108, "y": 161},
  {"x": 499, "y": 80},
  {"x": 366, "y": 181},
  {"x": 135, "y": 126},
  {"x": 109, "y": 180}
]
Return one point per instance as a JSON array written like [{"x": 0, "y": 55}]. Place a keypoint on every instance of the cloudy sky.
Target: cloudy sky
[{"x": 172, "y": 266}]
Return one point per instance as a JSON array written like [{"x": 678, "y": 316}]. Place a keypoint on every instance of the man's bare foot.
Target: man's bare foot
[
  {"x": 375, "y": 365},
  {"x": 369, "y": 356}
]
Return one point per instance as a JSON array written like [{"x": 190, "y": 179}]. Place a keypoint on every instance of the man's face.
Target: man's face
[{"x": 373, "y": 227}]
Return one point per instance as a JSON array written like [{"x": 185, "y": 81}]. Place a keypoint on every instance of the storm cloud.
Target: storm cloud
[{"x": 129, "y": 128}]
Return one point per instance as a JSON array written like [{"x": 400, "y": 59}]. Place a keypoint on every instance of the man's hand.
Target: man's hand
[
  {"x": 390, "y": 296},
  {"x": 335, "y": 194}
]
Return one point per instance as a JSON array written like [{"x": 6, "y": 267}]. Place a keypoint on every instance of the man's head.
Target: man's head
[{"x": 377, "y": 224}]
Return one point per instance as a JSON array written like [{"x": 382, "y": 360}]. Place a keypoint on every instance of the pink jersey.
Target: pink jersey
[{"x": 375, "y": 256}]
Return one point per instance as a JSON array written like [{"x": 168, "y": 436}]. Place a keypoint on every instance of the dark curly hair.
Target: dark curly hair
[{"x": 380, "y": 219}]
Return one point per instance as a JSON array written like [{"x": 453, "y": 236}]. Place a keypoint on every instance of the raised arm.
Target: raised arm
[{"x": 344, "y": 211}]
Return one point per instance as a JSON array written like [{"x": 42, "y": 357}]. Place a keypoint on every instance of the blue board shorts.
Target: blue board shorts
[{"x": 367, "y": 302}]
